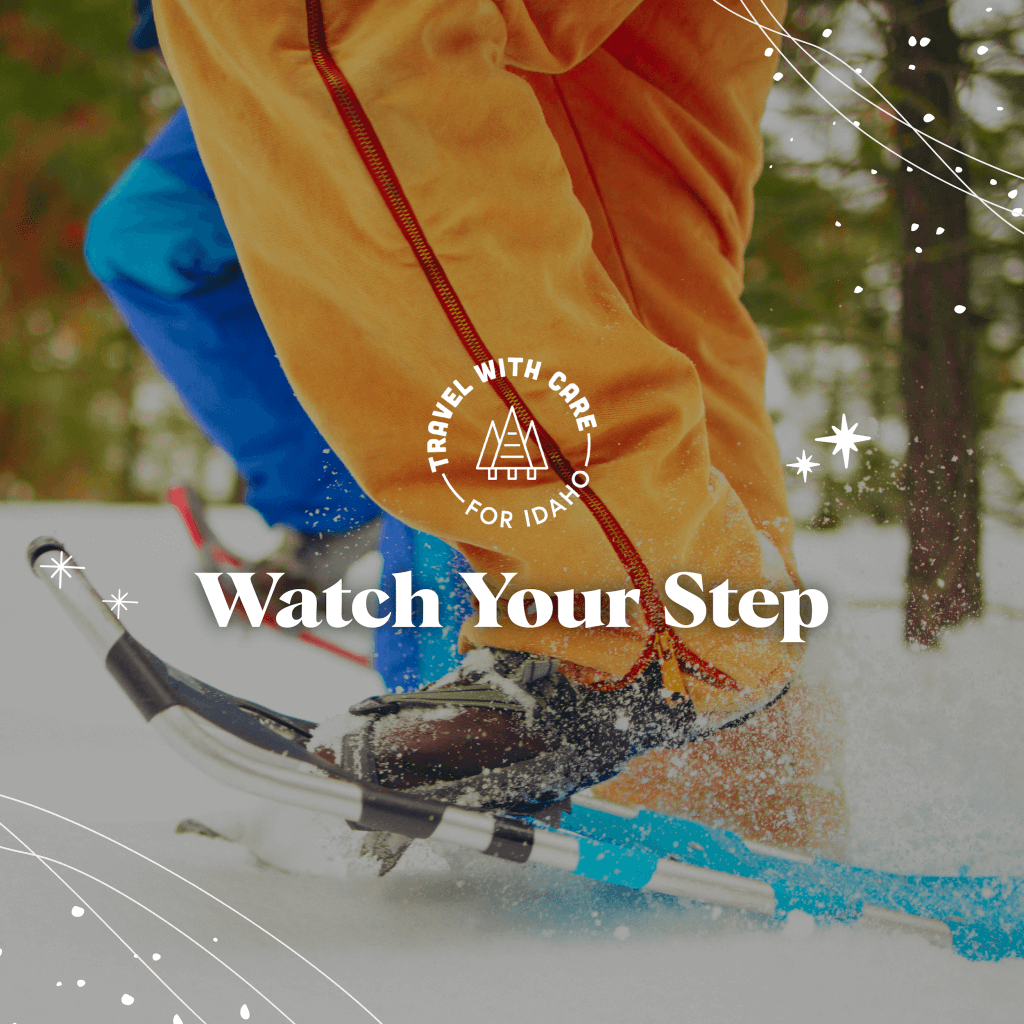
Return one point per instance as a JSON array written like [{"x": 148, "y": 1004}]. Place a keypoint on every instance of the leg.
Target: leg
[
  {"x": 408, "y": 658},
  {"x": 486, "y": 180},
  {"x": 660, "y": 130},
  {"x": 159, "y": 247},
  {"x": 635, "y": 122}
]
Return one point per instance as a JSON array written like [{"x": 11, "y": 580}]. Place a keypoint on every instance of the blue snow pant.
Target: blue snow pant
[
  {"x": 158, "y": 245},
  {"x": 409, "y": 657}
]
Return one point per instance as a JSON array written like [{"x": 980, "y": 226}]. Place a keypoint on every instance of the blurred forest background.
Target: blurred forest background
[
  {"x": 830, "y": 271},
  {"x": 83, "y": 414}
]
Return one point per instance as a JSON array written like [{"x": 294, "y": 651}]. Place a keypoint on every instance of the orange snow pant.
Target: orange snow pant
[{"x": 583, "y": 170}]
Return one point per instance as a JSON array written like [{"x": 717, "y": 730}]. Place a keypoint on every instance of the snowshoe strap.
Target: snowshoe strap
[
  {"x": 357, "y": 755},
  {"x": 469, "y": 695}
]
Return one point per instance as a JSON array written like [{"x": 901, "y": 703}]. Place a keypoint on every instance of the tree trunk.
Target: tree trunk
[{"x": 937, "y": 354}]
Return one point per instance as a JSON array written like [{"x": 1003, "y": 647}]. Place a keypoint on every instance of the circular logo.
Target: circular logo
[{"x": 510, "y": 451}]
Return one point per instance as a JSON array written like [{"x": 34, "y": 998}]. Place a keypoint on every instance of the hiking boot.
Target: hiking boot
[{"x": 510, "y": 730}]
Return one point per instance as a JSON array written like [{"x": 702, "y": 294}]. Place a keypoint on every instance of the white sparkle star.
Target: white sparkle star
[
  {"x": 61, "y": 566},
  {"x": 117, "y": 604},
  {"x": 803, "y": 465},
  {"x": 845, "y": 439}
]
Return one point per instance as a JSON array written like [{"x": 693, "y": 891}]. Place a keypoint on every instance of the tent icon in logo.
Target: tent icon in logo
[{"x": 512, "y": 451}]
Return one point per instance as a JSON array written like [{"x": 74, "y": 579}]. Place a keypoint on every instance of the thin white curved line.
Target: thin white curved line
[
  {"x": 149, "y": 910},
  {"x": 805, "y": 43},
  {"x": 444, "y": 476},
  {"x": 216, "y": 899},
  {"x": 78, "y": 896},
  {"x": 895, "y": 114},
  {"x": 892, "y": 112}
]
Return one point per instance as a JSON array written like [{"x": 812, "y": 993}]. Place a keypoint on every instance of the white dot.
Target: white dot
[
  {"x": 59, "y": 984},
  {"x": 827, "y": 33},
  {"x": 244, "y": 1012},
  {"x": 918, "y": 248},
  {"x": 1012, "y": 194},
  {"x": 914, "y": 227},
  {"x": 959, "y": 170},
  {"x": 913, "y": 67},
  {"x": 999, "y": 108},
  {"x": 856, "y": 124},
  {"x": 940, "y": 231},
  {"x": 156, "y": 956},
  {"x": 127, "y": 999},
  {"x": 858, "y": 290},
  {"x": 928, "y": 118},
  {"x": 925, "y": 40},
  {"x": 839, "y": 224},
  {"x": 910, "y": 170},
  {"x": 992, "y": 181},
  {"x": 77, "y": 911},
  {"x": 982, "y": 49},
  {"x": 1016, "y": 211},
  {"x": 959, "y": 309},
  {"x": 778, "y": 78},
  {"x": 858, "y": 70},
  {"x": 768, "y": 52},
  {"x": 912, "y": 40},
  {"x": 177, "y": 1020},
  {"x": 215, "y": 938},
  {"x": 873, "y": 171},
  {"x": 81, "y": 983}
]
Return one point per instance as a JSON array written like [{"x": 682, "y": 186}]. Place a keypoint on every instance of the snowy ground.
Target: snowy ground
[{"x": 934, "y": 772}]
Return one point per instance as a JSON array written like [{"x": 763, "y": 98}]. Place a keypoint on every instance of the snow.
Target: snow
[{"x": 933, "y": 770}]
